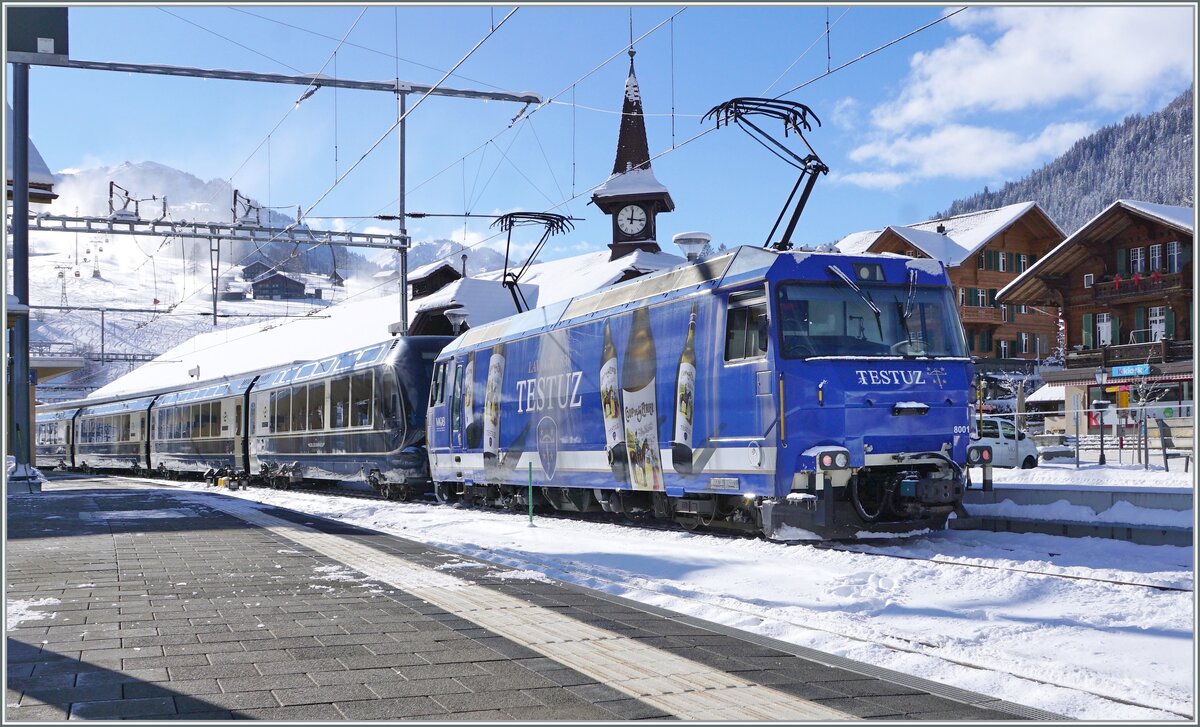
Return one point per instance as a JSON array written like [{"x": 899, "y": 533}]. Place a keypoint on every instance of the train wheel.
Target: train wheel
[
  {"x": 387, "y": 490},
  {"x": 443, "y": 493}
]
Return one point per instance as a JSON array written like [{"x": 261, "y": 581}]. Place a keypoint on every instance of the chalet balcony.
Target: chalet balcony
[
  {"x": 980, "y": 315},
  {"x": 1145, "y": 287},
  {"x": 1131, "y": 354}
]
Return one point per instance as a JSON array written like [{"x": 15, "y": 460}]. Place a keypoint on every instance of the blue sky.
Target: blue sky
[{"x": 978, "y": 99}]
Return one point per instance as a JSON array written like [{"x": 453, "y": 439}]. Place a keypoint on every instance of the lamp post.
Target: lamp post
[
  {"x": 1100, "y": 405},
  {"x": 457, "y": 316},
  {"x": 692, "y": 243}
]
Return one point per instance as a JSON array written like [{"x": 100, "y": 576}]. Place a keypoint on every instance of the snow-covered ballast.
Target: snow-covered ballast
[
  {"x": 199, "y": 430},
  {"x": 799, "y": 394},
  {"x": 354, "y": 416}
]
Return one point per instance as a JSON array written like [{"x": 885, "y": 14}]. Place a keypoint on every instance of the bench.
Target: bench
[{"x": 1176, "y": 440}]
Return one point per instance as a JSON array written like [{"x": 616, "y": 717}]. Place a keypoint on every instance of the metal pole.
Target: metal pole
[
  {"x": 1077, "y": 435},
  {"x": 21, "y": 446},
  {"x": 529, "y": 498},
  {"x": 1102, "y": 462},
  {"x": 403, "y": 230},
  {"x": 102, "y": 328}
]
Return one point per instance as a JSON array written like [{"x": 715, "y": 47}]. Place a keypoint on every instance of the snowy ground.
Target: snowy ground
[{"x": 1073, "y": 626}]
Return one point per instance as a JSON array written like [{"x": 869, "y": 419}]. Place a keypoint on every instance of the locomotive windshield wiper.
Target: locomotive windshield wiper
[{"x": 865, "y": 298}]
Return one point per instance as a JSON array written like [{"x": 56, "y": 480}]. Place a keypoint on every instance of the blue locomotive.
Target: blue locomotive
[{"x": 800, "y": 394}]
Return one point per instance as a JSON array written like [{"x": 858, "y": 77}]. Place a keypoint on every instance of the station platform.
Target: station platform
[{"x": 128, "y": 600}]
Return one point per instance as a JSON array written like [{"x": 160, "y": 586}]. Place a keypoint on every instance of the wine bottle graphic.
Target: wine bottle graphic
[
  {"x": 685, "y": 401},
  {"x": 471, "y": 423},
  {"x": 491, "y": 407},
  {"x": 610, "y": 404},
  {"x": 639, "y": 405}
]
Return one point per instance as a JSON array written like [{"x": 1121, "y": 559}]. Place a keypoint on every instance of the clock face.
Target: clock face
[{"x": 631, "y": 219}]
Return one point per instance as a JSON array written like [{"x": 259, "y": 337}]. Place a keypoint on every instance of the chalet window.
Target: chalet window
[
  {"x": 981, "y": 261},
  {"x": 1158, "y": 322},
  {"x": 1156, "y": 257},
  {"x": 1004, "y": 316},
  {"x": 1003, "y": 262},
  {"x": 962, "y": 297},
  {"x": 1103, "y": 329},
  {"x": 1022, "y": 262},
  {"x": 1089, "y": 279},
  {"x": 1022, "y": 308},
  {"x": 1137, "y": 260},
  {"x": 1003, "y": 349},
  {"x": 1024, "y": 339},
  {"x": 1174, "y": 257}
]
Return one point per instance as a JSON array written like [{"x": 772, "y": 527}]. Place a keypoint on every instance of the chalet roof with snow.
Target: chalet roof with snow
[
  {"x": 41, "y": 180},
  {"x": 1031, "y": 286},
  {"x": 953, "y": 239}
]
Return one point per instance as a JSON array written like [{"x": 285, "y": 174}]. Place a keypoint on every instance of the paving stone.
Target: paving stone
[
  {"x": 460, "y": 702},
  {"x": 397, "y": 708},
  {"x": 229, "y": 700},
  {"x": 133, "y": 690},
  {"x": 315, "y": 695},
  {"x": 274, "y": 681},
  {"x": 38, "y": 713},
  {"x": 631, "y": 709},
  {"x": 71, "y": 695},
  {"x": 123, "y": 708},
  {"x": 301, "y": 713}
]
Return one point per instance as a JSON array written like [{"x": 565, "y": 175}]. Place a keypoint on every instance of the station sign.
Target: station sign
[
  {"x": 36, "y": 35},
  {"x": 1137, "y": 370}
]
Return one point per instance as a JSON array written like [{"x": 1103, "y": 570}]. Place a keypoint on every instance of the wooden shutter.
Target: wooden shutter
[
  {"x": 992, "y": 296},
  {"x": 1170, "y": 324},
  {"x": 1088, "y": 333},
  {"x": 1122, "y": 261},
  {"x": 1139, "y": 324},
  {"x": 1116, "y": 329}
]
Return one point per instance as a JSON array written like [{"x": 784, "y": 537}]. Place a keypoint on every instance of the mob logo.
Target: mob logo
[{"x": 547, "y": 444}]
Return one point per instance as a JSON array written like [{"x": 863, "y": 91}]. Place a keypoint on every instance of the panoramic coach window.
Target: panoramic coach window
[
  {"x": 316, "y": 406},
  {"x": 299, "y": 408},
  {"x": 747, "y": 312},
  {"x": 339, "y": 402},
  {"x": 362, "y": 389}
]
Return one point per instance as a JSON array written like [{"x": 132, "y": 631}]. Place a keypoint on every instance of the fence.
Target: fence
[{"x": 1129, "y": 433}]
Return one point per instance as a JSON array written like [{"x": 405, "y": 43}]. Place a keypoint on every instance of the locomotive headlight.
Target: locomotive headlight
[
  {"x": 980, "y": 455},
  {"x": 833, "y": 460}
]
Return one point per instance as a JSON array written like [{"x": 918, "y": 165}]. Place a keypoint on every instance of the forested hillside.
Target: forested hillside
[{"x": 1148, "y": 158}]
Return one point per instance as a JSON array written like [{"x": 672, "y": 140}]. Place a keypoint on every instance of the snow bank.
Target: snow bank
[
  {"x": 10, "y": 467},
  {"x": 1062, "y": 510}
]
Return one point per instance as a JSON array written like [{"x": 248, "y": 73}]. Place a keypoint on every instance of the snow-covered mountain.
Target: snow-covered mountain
[{"x": 169, "y": 280}]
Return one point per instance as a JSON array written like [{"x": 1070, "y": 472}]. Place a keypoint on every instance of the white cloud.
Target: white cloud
[
  {"x": 1109, "y": 58},
  {"x": 845, "y": 113},
  {"x": 870, "y": 180},
  {"x": 961, "y": 151}
]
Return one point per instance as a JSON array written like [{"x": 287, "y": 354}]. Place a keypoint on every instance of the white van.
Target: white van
[{"x": 1010, "y": 446}]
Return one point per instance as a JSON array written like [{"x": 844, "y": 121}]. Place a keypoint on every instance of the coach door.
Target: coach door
[{"x": 456, "y": 410}]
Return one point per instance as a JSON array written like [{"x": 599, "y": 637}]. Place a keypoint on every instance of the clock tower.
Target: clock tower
[{"x": 632, "y": 195}]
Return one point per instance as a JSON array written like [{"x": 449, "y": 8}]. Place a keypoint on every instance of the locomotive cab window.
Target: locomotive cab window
[{"x": 746, "y": 326}]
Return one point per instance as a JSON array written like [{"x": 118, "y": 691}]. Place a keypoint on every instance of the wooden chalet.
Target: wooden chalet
[
  {"x": 983, "y": 252},
  {"x": 1124, "y": 282}
]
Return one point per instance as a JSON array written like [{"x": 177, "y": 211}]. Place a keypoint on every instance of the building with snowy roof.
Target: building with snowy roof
[
  {"x": 983, "y": 251},
  {"x": 1124, "y": 282},
  {"x": 41, "y": 180}
]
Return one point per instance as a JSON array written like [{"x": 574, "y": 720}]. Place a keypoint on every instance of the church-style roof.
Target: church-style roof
[{"x": 631, "y": 173}]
